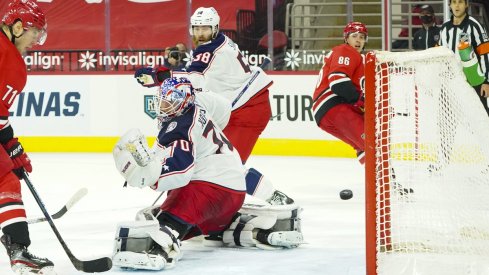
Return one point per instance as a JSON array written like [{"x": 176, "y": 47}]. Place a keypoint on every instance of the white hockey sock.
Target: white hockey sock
[{"x": 258, "y": 185}]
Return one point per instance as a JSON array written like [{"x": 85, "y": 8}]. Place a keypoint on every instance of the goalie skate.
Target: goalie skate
[
  {"x": 23, "y": 262},
  {"x": 287, "y": 239},
  {"x": 279, "y": 198}
]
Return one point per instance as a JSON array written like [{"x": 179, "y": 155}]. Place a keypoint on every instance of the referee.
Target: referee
[{"x": 461, "y": 22}]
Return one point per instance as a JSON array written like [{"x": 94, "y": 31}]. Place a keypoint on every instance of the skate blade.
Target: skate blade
[
  {"x": 49, "y": 270},
  {"x": 25, "y": 270}
]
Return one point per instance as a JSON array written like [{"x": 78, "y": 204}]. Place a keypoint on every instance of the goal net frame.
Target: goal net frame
[{"x": 380, "y": 178}]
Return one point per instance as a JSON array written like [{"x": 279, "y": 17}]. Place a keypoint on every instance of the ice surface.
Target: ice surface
[{"x": 334, "y": 229}]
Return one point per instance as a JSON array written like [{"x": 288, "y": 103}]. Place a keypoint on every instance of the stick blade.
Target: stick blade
[
  {"x": 73, "y": 200},
  {"x": 97, "y": 265},
  {"x": 77, "y": 197}
]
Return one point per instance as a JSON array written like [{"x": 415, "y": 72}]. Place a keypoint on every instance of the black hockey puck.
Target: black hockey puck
[{"x": 346, "y": 194}]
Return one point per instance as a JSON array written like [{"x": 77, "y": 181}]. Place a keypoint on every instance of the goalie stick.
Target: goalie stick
[
  {"x": 97, "y": 265},
  {"x": 72, "y": 201},
  {"x": 158, "y": 198},
  {"x": 263, "y": 65}
]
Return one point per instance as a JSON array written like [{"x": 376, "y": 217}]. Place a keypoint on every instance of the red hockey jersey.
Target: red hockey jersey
[
  {"x": 13, "y": 77},
  {"x": 342, "y": 63}
]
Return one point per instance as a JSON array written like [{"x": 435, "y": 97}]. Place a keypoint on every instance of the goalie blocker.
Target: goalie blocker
[{"x": 149, "y": 245}]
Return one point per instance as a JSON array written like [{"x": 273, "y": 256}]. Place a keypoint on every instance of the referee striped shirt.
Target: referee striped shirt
[{"x": 450, "y": 38}]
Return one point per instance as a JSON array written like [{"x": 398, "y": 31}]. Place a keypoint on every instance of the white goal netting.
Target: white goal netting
[{"x": 432, "y": 167}]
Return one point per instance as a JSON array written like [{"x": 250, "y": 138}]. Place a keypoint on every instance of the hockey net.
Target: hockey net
[{"x": 427, "y": 173}]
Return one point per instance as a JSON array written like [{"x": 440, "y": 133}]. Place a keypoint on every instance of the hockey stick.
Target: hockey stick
[
  {"x": 158, "y": 198},
  {"x": 72, "y": 201},
  {"x": 263, "y": 65},
  {"x": 276, "y": 116},
  {"x": 97, "y": 265}
]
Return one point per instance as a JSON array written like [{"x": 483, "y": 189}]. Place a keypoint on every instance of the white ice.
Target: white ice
[{"x": 334, "y": 229}]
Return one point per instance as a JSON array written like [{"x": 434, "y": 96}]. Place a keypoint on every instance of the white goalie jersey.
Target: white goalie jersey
[
  {"x": 193, "y": 147},
  {"x": 188, "y": 147}
]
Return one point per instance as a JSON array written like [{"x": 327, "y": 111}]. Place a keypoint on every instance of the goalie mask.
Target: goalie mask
[
  {"x": 205, "y": 17},
  {"x": 29, "y": 13},
  {"x": 175, "y": 96}
]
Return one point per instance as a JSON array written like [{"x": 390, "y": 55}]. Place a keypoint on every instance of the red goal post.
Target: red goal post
[{"x": 427, "y": 166}]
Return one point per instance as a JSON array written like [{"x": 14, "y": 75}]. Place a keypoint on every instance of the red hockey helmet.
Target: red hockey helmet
[
  {"x": 354, "y": 27},
  {"x": 29, "y": 13}
]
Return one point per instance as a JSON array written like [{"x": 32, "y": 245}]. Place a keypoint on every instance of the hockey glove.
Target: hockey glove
[
  {"x": 135, "y": 160},
  {"x": 360, "y": 104},
  {"x": 152, "y": 77},
  {"x": 19, "y": 158}
]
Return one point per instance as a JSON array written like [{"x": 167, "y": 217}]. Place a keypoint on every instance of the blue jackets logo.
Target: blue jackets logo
[
  {"x": 47, "y": 104},
  {"x": 149, "y": 106}
]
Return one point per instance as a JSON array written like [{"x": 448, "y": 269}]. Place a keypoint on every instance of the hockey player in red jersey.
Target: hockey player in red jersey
[
  {"x": 23, "y": 26},
  {"x": 218, "y": 66},
  {"x": 194, "y": 161},
  {"x": 338, "y": 100}
]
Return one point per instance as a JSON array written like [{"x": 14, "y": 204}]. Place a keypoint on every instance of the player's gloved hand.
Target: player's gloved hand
[
  {"x": 146, "y": 76},
  {"x": 360, "y": 104},
  {"x": 19, "y": 158},
  {"x": 151, "y": 77}
]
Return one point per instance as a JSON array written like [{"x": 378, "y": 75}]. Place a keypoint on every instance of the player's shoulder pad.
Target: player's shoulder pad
[
  {"x": 346, "y": 50},
  {"x": 203, "y": 54},
  {"x": 177, "y": 128}
]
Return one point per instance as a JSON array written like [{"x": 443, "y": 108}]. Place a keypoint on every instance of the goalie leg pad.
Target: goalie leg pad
[
  {"x": 266, "y": 227},
  {"x": 242, "y": 231},
  {"x": 133, "y": 260},
  {"x": 288, "y": 216},
  {"x": 145, "y": 245},
  {"x": 154, "y": 213},
  {"x": 259, "y": 231}
]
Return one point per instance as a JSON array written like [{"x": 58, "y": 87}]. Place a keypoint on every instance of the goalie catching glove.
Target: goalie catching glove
[{"x": 135, "y": 161}]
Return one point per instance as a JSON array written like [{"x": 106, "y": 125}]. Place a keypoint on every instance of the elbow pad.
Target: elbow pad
[
  {"x": 6, "y": 134},
  {"x": 345, "y": 89}
]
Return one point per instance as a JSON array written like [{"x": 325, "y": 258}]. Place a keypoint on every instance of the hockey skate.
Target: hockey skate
[
  {"x": 23, "y": 262},
  {"x": 279, "y": 198},
  {"x": 287, "y": 239},
  {"x": 171, "y": 260},
  {"x": 485, "y": 170},
  {"x": 401, "y": 190},
  {"x": 435, "y": 169}
]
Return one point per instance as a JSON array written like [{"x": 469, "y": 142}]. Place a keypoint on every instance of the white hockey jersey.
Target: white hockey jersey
[
  {"x": 217, "y": 107},
  {"x": 193, "y": 147},
  {"x": 220, "y": 67}
]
